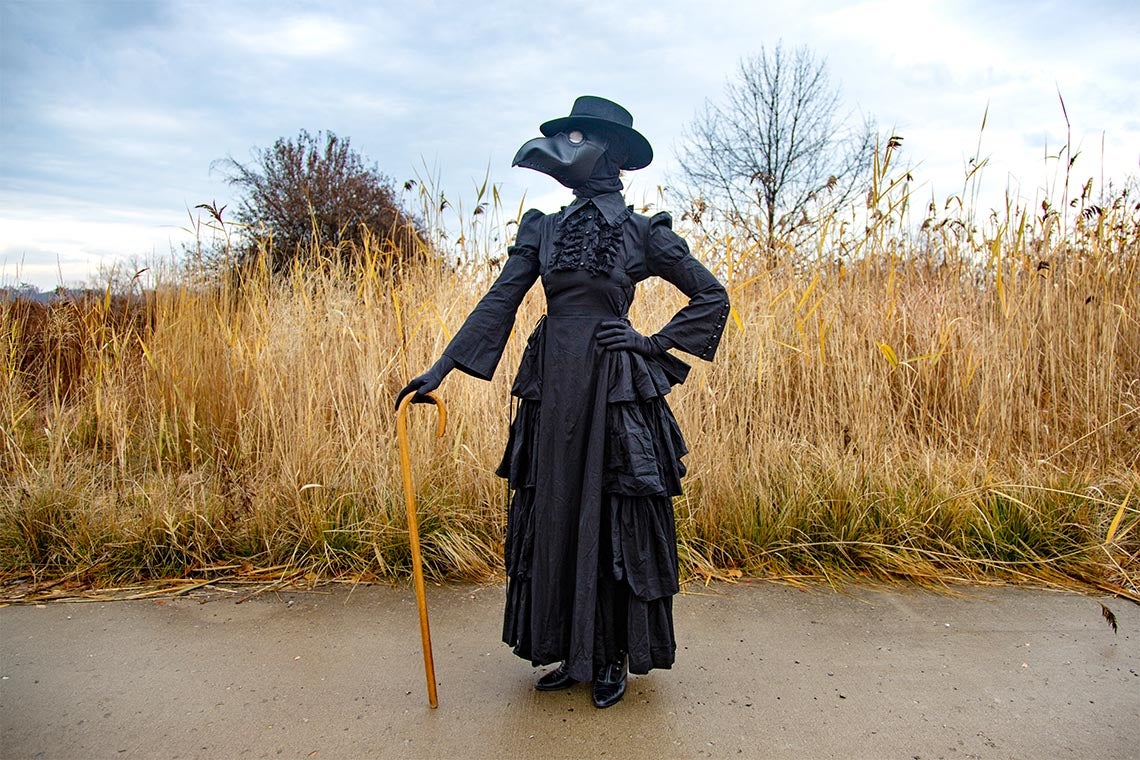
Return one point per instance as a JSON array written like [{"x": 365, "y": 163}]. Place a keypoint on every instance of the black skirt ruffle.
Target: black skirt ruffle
[
  {"x": 638, "y": 544},
  {"x": 642, "y": 552}
]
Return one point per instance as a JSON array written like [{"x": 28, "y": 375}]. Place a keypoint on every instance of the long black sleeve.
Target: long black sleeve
[
  {"x": 697, "y": 328},
  {"x": 478, "y": 346}
]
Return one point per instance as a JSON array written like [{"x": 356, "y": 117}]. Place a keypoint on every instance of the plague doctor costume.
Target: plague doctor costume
[{"x": 593, "y": 456}]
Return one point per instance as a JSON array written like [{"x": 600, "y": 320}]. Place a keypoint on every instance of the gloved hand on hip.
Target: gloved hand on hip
[
  {"x": 427, "y": 382},
  {"x": 616, "y": 335}
]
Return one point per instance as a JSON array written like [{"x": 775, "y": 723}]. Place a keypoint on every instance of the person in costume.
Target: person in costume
[{"x": 594, "y": 453}]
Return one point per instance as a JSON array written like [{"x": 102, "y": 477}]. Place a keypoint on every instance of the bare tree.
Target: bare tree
[
  {"x": 775, "y": 153},
  {"x": 317, "y": 194}
]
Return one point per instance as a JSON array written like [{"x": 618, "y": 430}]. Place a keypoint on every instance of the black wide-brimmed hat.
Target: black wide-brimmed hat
[{"x": 592, "y": 111}]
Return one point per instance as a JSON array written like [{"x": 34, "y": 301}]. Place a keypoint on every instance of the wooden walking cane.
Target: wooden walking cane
[{"x": 414, "y": 529}]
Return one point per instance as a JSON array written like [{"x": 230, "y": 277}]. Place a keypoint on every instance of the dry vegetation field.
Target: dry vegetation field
[{"x": 960, "y": 403}]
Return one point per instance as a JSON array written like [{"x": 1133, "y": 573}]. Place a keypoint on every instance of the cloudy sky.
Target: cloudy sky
[{"x": 112, "y": 111}]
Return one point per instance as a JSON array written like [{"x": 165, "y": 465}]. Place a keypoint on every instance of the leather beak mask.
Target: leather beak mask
[{"x": 568, "y": 156}]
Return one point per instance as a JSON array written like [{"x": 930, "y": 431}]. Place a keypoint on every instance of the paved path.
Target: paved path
[{"x": 765, "y": 671}]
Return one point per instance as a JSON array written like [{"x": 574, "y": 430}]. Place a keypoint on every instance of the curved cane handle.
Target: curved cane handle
[{"x": 401, "y": 412}]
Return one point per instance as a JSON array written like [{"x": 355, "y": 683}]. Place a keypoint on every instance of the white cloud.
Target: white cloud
[
  {"x": 68, "y": 247},
  {"x": 115, "y": 119},
  {"x": 306, "y": 36}
]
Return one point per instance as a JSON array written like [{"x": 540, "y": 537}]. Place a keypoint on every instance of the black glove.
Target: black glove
[
  {"x": 427, "y": 382},
  {"x": 617, "y": 335}
]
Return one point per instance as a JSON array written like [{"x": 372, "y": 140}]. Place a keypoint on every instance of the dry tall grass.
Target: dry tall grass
[{"x": 963, "y": 403}]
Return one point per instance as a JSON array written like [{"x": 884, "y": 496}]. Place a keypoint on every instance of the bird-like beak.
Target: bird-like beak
[{"x": 569, "y": 163}]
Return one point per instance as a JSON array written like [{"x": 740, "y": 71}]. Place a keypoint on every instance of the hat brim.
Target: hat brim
[{"x": 640, "y": 151}]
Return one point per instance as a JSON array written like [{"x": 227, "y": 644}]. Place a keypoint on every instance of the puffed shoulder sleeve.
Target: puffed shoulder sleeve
[
  {"x": 695, "y": 329},
  {"x": 529, "y": 236},
  {"x": 478, "y": 346}
]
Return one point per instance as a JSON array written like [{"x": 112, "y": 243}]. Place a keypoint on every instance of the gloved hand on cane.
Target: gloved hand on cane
[{"x": 427, "y": 382}]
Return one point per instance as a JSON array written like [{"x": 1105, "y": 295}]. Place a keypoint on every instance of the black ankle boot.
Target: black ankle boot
[
  {"x": 559, "y": 678},
  {"x": 609, "y": 683}
]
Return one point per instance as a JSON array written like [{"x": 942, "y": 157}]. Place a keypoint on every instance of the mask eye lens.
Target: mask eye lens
[{"x": 575, "y": 136}]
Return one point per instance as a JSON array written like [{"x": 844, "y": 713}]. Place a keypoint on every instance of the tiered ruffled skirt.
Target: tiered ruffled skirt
[{"x": 636, "y": 533}]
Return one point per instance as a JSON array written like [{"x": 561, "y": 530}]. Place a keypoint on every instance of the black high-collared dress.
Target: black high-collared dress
[{"x": 594, "y": 452}]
